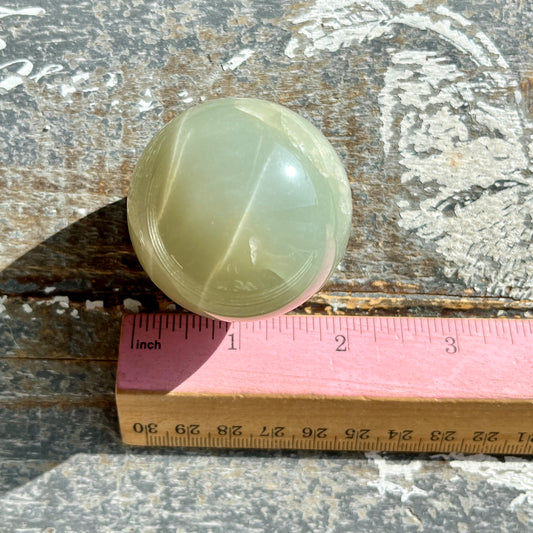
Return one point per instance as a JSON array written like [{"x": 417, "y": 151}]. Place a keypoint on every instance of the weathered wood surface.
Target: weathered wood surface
[{"x": 430, "y": 105}]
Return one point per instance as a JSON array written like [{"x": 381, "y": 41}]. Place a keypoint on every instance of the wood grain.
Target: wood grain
[{"x": 429, "y": 104}]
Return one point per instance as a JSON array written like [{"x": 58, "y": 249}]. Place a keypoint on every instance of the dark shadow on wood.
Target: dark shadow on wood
[
  {"x": 90, "y": 259},
  {"x": 59, "y": 361}
]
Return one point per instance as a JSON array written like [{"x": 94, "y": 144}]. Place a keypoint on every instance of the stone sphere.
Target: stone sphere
[{"x": 239, "y": 209}]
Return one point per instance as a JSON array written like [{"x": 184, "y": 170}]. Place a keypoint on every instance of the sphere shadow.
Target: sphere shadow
[
  {"x": 91, "y": 258},
  {"x": 69, "y": 405},
  {"x": 59, "y": 339}
]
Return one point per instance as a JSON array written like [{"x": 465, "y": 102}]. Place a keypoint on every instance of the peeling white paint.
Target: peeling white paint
[
  {"x": 94, "y": 305},
  {"x": 13, "y": 79},
  {"x": 111, "y": 80},
  {"x": 396, "y": 478},
  {"x": 2, "y": 302},
  {"x": 513, "y": 473},
  {"x": 27, "y": 308},
  {"x": 185, "y": 97},
  {"x": 329, "y": 25},
  {"x": 238, "y": 59},
  {"x": 48, "y": 290},
  {"x": 338, "y": 306},
  {"x": 460, "y": 152},
  {"x": 146, "y": 103},
  {"x": 27, "y": 11},
  {"x": 46, "y": 71},
  {"x": 62, "y": 301},
  {"x": 134, "y": 306},
  {"x": 66, "y": 90}
]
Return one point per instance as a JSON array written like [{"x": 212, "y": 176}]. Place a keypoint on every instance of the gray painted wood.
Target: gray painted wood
[{"x": 430, "y": 105}]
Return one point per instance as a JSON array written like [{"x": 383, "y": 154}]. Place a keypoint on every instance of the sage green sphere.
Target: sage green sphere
[{"x": 239, "y": 209}]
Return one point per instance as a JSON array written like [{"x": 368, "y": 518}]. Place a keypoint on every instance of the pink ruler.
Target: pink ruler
[{"x": 328, "y": 356}]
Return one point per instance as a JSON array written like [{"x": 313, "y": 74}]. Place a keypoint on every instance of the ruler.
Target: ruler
[{"x": 327, "y": 383}]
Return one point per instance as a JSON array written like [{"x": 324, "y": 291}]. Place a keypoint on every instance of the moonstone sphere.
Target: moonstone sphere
[{"x": 239, "y": 209}]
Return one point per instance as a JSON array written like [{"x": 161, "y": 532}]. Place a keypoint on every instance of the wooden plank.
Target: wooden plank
[
  {"x": 405, "y": 221},
  {"x": 429, "y": 105}
]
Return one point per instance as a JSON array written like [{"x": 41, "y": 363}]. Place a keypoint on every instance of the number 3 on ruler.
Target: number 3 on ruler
[{"x": 451, "y": 345}]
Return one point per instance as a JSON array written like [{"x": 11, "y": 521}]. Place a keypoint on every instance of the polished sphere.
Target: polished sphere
[{"x": 239, "y": 209}]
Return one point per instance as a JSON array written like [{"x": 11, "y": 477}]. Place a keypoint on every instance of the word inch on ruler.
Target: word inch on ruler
[{"x": 331, "y": 383}]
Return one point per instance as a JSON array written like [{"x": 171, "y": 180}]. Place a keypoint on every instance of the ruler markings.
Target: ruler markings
[
  {"x": 495, "y": 435},
  {"x": 133, "y": 330},
  {"x": 510, "y": 325}
]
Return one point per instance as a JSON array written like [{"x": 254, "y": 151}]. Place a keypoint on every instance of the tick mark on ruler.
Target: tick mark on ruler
[{"x": 133, "y": 331}]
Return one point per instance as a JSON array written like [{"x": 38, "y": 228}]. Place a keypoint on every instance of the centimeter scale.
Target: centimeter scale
[{"x": 327, "y": 383}]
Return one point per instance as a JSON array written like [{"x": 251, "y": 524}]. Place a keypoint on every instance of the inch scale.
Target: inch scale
[{"x": 327, "y": 383}]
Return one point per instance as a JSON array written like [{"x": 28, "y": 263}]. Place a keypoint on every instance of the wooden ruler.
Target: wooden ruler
[{"x": 327, "y": 383}]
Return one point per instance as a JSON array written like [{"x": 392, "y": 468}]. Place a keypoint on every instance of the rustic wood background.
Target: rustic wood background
[{"x": 430, "y": 105}]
